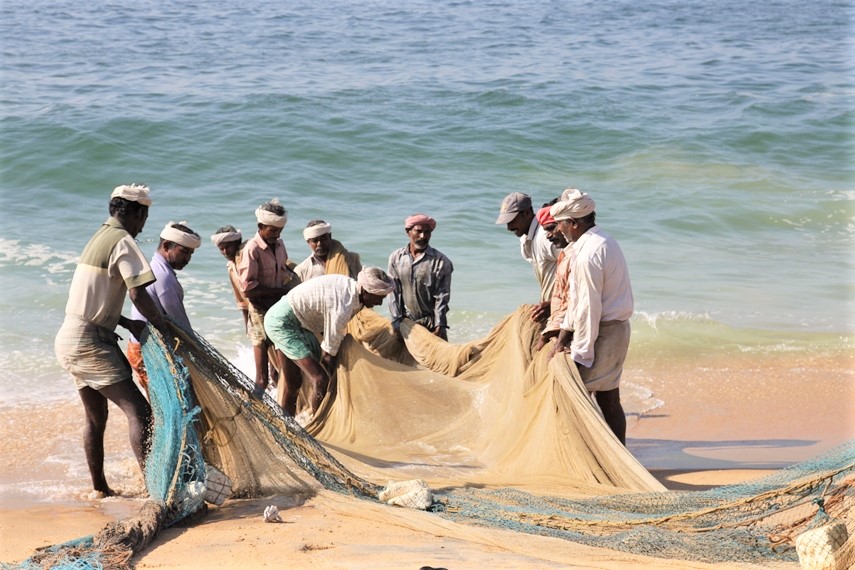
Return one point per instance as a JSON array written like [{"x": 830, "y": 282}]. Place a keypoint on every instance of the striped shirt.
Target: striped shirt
[
  {"x": 324, "y": 305},
  {"x": 111, "y": 263}
]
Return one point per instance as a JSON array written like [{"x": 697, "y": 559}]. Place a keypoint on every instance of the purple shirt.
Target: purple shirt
[{"x": 167, "y": 294}]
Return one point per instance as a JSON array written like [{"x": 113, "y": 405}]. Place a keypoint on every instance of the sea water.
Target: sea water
[{"x": 715, "y": 137}]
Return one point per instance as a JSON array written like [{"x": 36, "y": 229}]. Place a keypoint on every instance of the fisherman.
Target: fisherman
[
  {"x": 176, "y": 247},
  {"x": 422, "y": 277},
  {"x": 321, "y": 306},
  {"x": 229, "y": 240},
  {"x": 328, "y": 255},
  {"x": 265, "y": 278},
  {"x": 87, "y": 346},
  {"x": 558, "y": 300},
  {"x": 517, "y": 213},
  {"x": 596, "y": 326}
]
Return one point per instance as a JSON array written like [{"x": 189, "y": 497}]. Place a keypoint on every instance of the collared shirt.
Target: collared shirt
[
  {"x": 262, "y": 265},
  {"x": 536, "y": 248},
  {"x": 423, "y": 287},
  {"x": 111, "y": 263},
  {"x": 167, "y": 294},
  {"x": 338, "y": 258},
  {"x": 324, "y": 305},
  {"x": 558, "y": 301},
  {"x": 310, "y": 267},
  {"x": 599, "y": 291}
]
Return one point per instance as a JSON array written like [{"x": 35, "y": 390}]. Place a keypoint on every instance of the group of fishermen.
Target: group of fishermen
[{"x": 296, "y": 316}]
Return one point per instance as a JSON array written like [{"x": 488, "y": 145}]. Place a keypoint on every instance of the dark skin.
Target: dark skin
[
  {"x": 318, "y": 371},
  {"x": 320, "y": 247},
  {"x": 124, "y": 394},
  {"x": 263, "y": 298},
  {"x": 519, "y": 226},
  {"x": 559, "y": 241},
  {"x": 230, "y": 250},
  {"x": 609, "y": 400},
  {"x": 420, "y": 235},
  {"x": 266, "y": 297}
]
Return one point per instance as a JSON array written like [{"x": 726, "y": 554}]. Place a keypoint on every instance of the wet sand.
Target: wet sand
[{"x": 720, "y": 422}]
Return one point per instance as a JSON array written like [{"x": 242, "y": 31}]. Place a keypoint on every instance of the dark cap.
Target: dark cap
[{"x": 513, "y": 204}]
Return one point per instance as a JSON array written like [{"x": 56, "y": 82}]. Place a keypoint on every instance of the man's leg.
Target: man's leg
[
  {"x": 95, "y": 407},
  {"x": 290, "y": 383},
  {"x": 318, "y": 377},
  {"x": 609, "y": 402},
  {"x": 261, "y": 363},
  {"x": 131, "y": 401}
]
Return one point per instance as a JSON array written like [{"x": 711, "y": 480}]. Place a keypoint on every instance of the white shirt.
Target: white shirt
[
  {"x": 324, "y": 305},
  {"x": 599, "y": 291},
  {"x": 309, "y": 268},
  {"x": 536, "y": 248}
]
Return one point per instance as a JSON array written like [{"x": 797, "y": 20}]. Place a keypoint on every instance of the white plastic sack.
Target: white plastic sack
[
  {"x": 817, "y": 548},
  {"x": 218, "y": 486},
  {"x": 413, "y": 494}
]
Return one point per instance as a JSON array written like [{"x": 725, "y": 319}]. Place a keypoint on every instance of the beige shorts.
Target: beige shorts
[
  {"x": 255, "y": 329},
  {"x": 90, "y": 354},
  {"x": 610, "y": 350}
]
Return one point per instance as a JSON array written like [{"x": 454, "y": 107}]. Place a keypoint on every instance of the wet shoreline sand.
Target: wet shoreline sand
[{"x": 719, "y": 421}]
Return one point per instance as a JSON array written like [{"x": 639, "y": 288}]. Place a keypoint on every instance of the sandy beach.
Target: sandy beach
[{"x": 735, "y": 421}]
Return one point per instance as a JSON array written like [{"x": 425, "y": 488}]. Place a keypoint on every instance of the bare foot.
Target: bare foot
[{"x": 103, "y": 493}]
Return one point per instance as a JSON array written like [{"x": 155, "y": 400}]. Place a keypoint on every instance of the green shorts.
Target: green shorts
[{"x": 287, "y": 334}]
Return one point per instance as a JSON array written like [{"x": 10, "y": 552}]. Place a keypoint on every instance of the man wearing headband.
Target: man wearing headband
[
  {"x": 229, "y": 241},
  {"x": 176, "y": 247},
  {"x": 518, "y": 215},
  {"x": 321, "y": 306},
  {"x": 422, "y": 277},
  {"x": 596, "y": 329},
  {"x": 328, "y": 255},
  {"x": 265, "y": 278},
  {"x": 558, "y": 300},
  {"x": 87, "y": 346}
]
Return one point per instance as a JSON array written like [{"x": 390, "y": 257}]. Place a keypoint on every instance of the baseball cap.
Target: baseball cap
[{"x": 513, "y": 204}]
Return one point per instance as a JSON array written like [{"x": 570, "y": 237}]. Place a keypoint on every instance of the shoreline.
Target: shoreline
[
  {"x": 333, "y": 531},
  {"x": 711, "y": 423}
]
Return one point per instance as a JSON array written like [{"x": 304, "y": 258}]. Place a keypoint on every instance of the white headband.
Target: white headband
[
  {"x": 576, "y": 204},
  {"x": 133, "y": 192},
  {"x": 226, "y": 237},
  {"x": 173, "y": 234},
  {"x": 270, "y": 219},
  {"x": 371, "y": 279},
  {"x": 317, "y": 231}
]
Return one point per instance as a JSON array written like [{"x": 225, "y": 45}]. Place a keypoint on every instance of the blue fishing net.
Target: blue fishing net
[{"x": 203, "y": 415}]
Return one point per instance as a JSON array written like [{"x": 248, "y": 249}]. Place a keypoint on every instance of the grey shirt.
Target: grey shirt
[{"x": 423, "y": 287}]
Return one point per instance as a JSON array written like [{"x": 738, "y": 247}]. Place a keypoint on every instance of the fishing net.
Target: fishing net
[{"x": 504, "y": 436}]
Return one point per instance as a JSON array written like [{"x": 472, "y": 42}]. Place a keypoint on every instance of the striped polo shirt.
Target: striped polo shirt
[{"x": 110, "y": 264}]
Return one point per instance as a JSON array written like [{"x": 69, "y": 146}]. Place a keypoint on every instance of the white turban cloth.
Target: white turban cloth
[
  {"x": 226, "y": 237},
  {"x": 317, "y": 231},
  {"x": 132, "y": 192},
  {"x": 375, "y": 281},
  {"x": 268, "y": 218},
  {"x": 173, "y": 234},
  {"x": 576, "y": 204}
]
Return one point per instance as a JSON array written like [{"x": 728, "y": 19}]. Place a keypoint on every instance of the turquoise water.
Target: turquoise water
[{"x": 716, "y": 138}]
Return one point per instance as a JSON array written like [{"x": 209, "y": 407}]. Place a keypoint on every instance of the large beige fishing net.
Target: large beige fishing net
[
  {"x": 504, "y": 437},
  {"x": 489, "y": 412}
]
